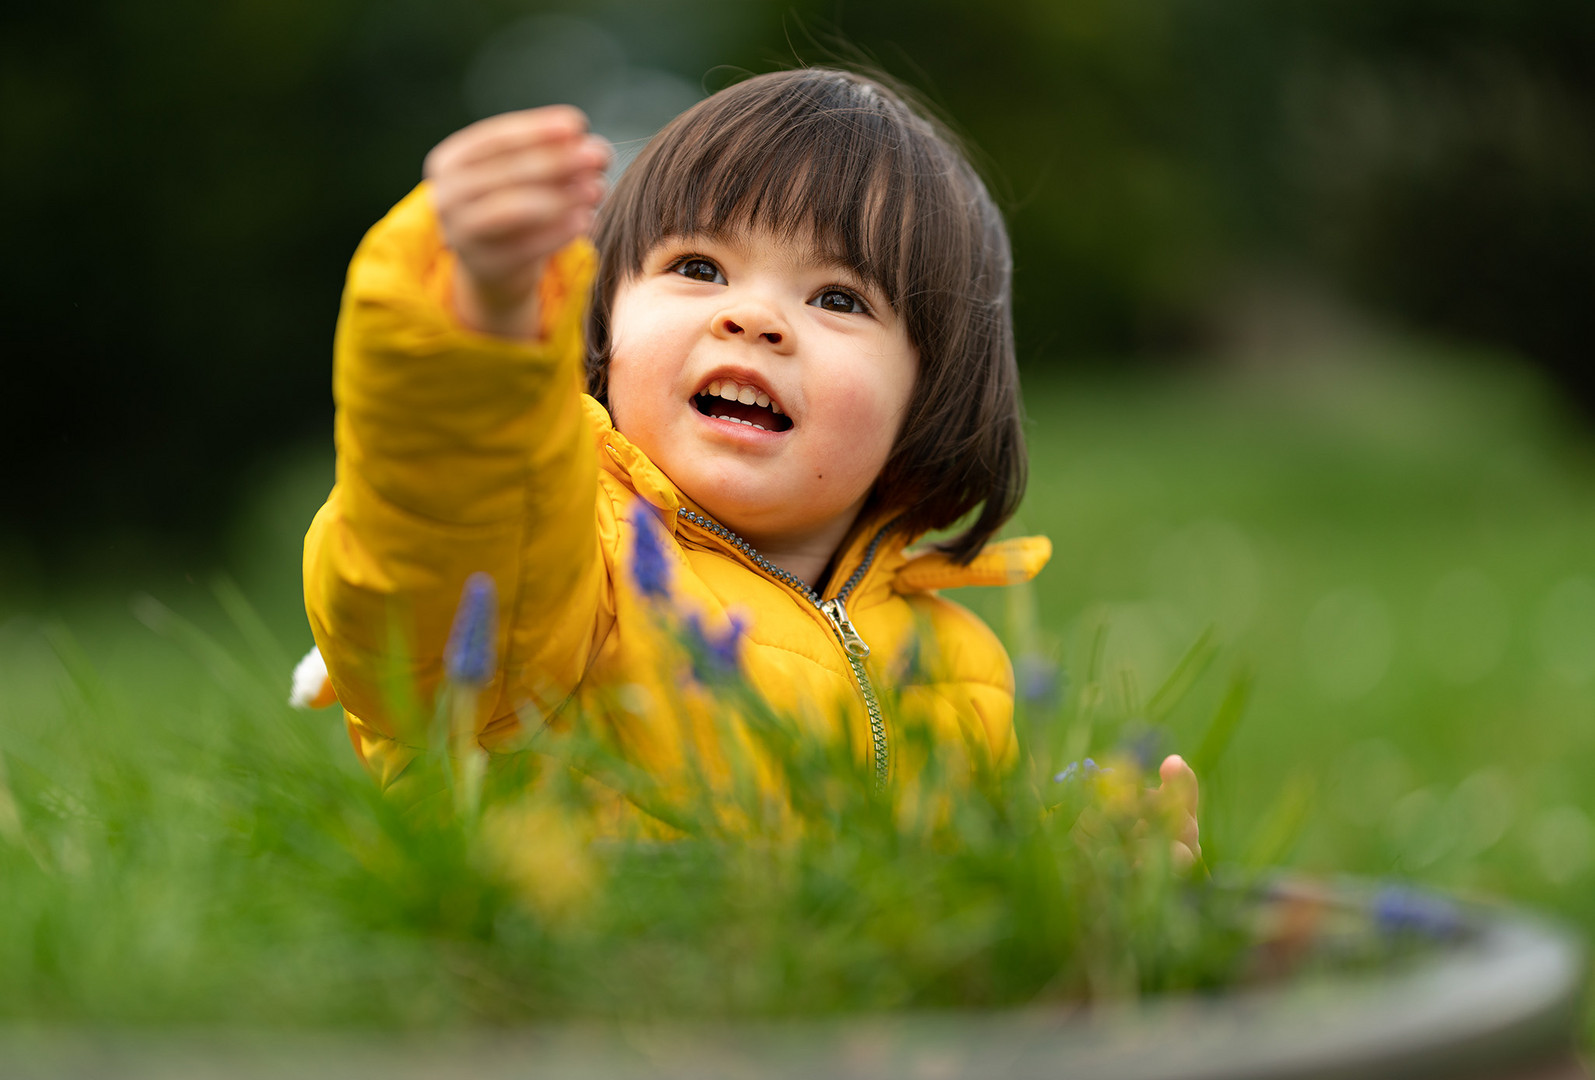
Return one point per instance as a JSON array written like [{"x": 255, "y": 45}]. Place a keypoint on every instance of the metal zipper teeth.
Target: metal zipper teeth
[
  {"x": 872, "y": 706},
  {"x": 869, "y": 556},
  {"x": 877, "y": 723}
]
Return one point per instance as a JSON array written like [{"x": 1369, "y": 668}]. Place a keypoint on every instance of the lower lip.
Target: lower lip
[{"x": 738, "y": 432}]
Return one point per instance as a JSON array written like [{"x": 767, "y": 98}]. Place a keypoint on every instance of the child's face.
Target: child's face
[{"x": 770, "y": 320}]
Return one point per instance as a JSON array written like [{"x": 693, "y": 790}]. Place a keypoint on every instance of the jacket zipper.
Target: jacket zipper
[{"x": 854, "y": 647}]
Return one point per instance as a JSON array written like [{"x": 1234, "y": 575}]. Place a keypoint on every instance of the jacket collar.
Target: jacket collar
[{"x": 895, "y": 566}]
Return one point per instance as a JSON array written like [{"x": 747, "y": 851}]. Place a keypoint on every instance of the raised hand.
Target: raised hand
[{"x": 510, "y": 191}]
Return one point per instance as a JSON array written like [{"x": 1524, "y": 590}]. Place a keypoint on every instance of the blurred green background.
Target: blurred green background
[
  {"x": 186, "y": 181},
  {"x": 1303, "y": 302}
]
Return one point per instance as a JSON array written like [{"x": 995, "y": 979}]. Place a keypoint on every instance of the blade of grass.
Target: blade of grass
[
  {"x": 1282, "y": 824},
  {"x": 1190, "y": 667},
  {"x": 1222, "y": 727},
  {"x": 268, "y": 651}
]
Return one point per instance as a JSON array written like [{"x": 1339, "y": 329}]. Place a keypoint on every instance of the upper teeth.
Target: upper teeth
[{"x": 747, "y": 395}]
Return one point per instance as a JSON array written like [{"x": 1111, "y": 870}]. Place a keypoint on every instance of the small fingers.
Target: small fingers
[
  {"x": 508, "y": 133},
  {"x": 1191, "y": 835},
  {"x": 1179, "y": 783},
  {"x": 509, "y": 263},
  {"x": 1181, "y": 798},
  {"x": 512, "y": 211},
  {"x": 1182, "y": 857},
  {"x": 539, "y": 168},
  {"x": 509, "y": 191},
  {"x": 531, "y": 183}
]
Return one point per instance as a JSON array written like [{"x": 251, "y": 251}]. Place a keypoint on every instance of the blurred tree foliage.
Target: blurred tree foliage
[{"x": 187, "y": 180}]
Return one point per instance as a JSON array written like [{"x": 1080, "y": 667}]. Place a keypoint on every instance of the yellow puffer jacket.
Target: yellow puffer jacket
[{"x": 460, "y": 453}]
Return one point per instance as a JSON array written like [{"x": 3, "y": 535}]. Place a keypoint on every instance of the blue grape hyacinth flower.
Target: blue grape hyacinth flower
[
  {"x": 650, "y": 564},
  {"x": 1144, "y": 745},
  {"x": 716, "y": 658},
  {"x": 1040, "y": 681},
  {"x": 1401, "y": 911},
  {"x": 471, "y": 654},
  {"x": 1077, "y": 769}
]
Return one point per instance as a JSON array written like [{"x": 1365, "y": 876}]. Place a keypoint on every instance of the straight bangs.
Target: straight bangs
[
  {"x": 843, "y": 161},
  {"x": 816, "y": 159}
]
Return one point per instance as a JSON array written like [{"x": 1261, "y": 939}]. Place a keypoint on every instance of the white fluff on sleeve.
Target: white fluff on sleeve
[{"x": 310, "y": 675}]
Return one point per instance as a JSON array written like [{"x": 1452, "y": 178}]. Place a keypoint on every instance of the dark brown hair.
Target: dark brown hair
[{"x": 885, "y": 190}]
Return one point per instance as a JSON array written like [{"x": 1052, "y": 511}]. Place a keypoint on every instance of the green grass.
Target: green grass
[
  {"x": 1399, "y": 550},
  {"x": 180, "y": 848},
  {"x": 1394, "y": 559}
]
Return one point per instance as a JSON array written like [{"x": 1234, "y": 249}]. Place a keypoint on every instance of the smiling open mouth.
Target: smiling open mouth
[{"x": 726, "y": 400}]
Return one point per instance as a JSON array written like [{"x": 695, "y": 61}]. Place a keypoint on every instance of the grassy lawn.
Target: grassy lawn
[
  {"x": 1402, "y": 555},
  {"x": 1394, "y": 556}
]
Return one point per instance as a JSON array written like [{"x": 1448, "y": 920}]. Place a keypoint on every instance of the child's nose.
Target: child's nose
[
  {"x": 772, "y": 336},
  {"x": 753, "y": 318}
]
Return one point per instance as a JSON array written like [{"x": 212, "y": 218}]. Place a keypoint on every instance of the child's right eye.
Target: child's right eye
[{"x": 699, "y": 269}]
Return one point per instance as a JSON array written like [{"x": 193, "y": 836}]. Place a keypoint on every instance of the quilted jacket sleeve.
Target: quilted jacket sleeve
[{"x": 457, "y": 453}]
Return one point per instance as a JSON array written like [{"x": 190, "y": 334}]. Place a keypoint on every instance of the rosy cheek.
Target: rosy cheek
[
  {"x": 861, "y": 428},
  {"x": 631, "y": 391},
  {"x": 870, "y": 410}
]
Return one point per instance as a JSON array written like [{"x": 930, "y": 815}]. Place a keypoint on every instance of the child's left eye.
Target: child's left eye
[{"x": 839, "y": 300}]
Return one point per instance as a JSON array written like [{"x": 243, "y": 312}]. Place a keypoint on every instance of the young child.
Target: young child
[{"x": 798, "y": 360}]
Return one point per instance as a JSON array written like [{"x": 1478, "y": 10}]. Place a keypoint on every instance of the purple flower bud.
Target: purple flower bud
[
  {"x": 470, "y": 656},
  {"x": 1144, "y": 745},
  {"x": 715, "y": 658},
  {"x": 1040, "y": 681},
  {"x": 1400, "y": 911},
  {"x": 1077, "y": 769},
  {"x": 650, "y": 566}
]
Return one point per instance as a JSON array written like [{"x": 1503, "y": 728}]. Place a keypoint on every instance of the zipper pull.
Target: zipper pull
[{"x": 835, "y": 612}]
